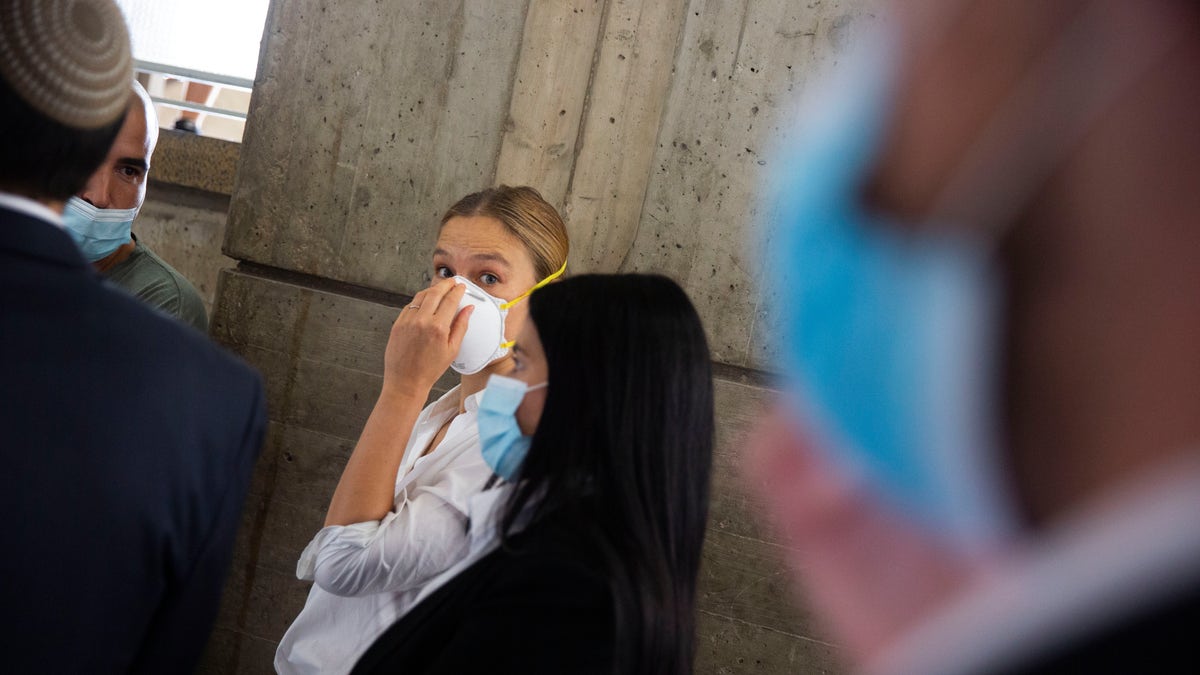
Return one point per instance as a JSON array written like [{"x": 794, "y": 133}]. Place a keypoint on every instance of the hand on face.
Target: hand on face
[
  {"x": 424, "y": 339},
  {"x": 871, "y": 574}
]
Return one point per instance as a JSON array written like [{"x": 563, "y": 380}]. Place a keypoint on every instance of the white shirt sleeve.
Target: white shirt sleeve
[{"x": 424, "y": 535}]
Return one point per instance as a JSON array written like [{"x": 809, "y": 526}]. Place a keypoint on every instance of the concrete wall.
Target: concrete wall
[
  {"x": 649, "y": 122},
  {"x": 187, "y": 203}
]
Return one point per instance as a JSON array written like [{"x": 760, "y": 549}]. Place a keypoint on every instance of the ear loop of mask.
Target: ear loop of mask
[
  {"x": 510, "y": 303},
  {"x": 977, "y": 191}
]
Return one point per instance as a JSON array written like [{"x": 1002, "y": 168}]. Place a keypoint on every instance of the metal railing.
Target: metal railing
[{"x": 189, "y": 75}]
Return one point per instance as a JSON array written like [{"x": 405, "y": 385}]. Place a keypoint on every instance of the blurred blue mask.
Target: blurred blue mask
[
  {"x": 888, "y": 331},
  {"x": 98, "y": 232},
  {"x": 503, "y": 445}
]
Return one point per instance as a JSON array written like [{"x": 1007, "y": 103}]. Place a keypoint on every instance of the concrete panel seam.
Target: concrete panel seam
[
  {"x": 512, "y": 88},
  {"x": 746, "y": 375},
  {"x": 323, "y": 284},
  {"x": 737, "y": 52},
  {"x": 662, "y": 120},
  {"x": 580, "y": 129},
  {"x": 190, "y": 197},
  {"x": 739, "y": 374}
]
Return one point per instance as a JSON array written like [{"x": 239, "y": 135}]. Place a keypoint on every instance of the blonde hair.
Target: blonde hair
[{"x": 527, "y": 216}]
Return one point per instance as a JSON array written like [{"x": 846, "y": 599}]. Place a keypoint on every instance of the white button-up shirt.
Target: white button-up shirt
[{"x": 369, "y": 574}]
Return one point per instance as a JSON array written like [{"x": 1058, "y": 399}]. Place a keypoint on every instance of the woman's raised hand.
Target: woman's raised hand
[{"x": 425, "y": 338}]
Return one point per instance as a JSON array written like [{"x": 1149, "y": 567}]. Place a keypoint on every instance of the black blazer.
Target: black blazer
[
  {"x": 126, "y": 444},
  {"x": 540, "y": 605}
]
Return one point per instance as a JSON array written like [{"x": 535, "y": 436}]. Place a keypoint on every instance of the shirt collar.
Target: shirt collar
[
  {"x": 472, "y": 402},
  {"x": 448, "y": 403},
  {"x": 31, "y": 208}
]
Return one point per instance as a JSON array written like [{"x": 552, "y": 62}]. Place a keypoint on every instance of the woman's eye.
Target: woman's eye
[
  {"x": 489, "y": 279},
  {"x": 443, "y": 272}
]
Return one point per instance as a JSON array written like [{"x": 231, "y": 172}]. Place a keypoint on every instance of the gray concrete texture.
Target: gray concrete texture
[{"x": 649, "y": 123}]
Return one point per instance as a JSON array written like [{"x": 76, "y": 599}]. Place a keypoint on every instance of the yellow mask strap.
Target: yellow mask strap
[
  {"x": 543, "y": 282},
  {"x": 536, "y": 286}
]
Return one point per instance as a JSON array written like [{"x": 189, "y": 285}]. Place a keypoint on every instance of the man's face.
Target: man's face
[{"x": 120, "y": 182}]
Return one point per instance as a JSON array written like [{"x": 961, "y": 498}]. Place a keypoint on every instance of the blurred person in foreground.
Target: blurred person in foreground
[
  {"x": 988, "y": 456},
  {"x": 128, "y": 439},
  {"x": 100, "y": 219}
]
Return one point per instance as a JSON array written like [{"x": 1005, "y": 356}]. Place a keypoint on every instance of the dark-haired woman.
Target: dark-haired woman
[{"x": 604, "y": 429}]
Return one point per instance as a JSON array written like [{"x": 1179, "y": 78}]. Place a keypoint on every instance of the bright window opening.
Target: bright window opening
[{"x": 198, "y": 60}]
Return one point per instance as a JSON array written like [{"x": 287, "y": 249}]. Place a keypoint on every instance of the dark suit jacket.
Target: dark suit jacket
[
  {"x": 127, "y": 442},
  {"x": 541, "y": 605}
]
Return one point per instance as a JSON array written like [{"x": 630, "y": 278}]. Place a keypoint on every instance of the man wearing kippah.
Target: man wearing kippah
[
  {"x": 128, "y": 439},
  {"x": 100, "y": 217}
]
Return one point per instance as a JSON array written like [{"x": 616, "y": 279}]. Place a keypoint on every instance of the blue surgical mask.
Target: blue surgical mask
[
  {"x": 97, "y": 232},
  {"x": 503, "y": 445},
  {"x": 889, "y": 332}
]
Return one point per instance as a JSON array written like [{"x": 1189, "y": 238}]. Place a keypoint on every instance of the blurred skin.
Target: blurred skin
[
  {"x": 120, "y": 182},
  {"x": 867, "y": 572},
  {"x": 1101, "y": 267},
  {"x": 1101, "y": 368}
]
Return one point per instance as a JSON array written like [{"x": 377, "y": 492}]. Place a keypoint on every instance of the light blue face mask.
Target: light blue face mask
[
  {"x": 888, "y": 334},
  {"x": 97, "y": 232},
  {"x": 503, "y": 445}
]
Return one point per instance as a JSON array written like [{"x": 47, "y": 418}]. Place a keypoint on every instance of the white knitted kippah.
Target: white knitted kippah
[{"x": 68, "y": 59}]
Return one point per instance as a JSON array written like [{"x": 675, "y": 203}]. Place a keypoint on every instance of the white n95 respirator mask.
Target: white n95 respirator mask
[{"x": 484, "y": 341}]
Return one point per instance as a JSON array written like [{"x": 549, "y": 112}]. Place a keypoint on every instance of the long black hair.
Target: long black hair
[{"x": 624, "y": 449}]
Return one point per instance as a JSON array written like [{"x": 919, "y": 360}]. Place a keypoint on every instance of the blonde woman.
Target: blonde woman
[{"x": 412, "y": 499}]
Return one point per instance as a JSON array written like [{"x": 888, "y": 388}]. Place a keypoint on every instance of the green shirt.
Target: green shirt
[{"x": 153, "y": 281}]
